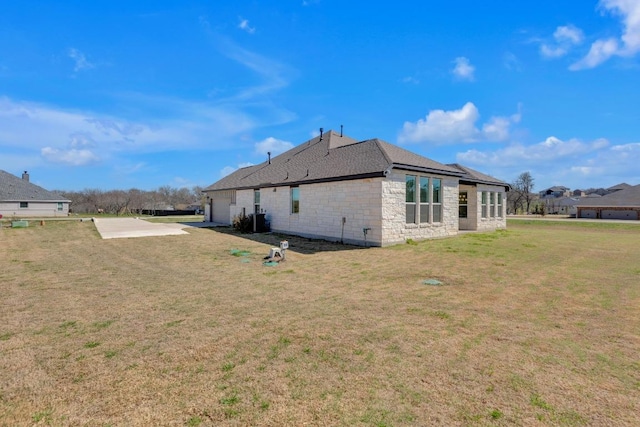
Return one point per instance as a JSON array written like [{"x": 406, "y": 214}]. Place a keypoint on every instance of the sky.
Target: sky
[{"x": 142, "y": 94}]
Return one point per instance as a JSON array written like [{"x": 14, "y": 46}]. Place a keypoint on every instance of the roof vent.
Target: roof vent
[
  {"x": 269, "y": 154},
  {"x": 321, "y": 130}
]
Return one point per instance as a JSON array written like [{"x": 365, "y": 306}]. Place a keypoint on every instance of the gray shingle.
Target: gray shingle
[
  {"x": 14, "y": 189},
  {"x": 331, "y": 158},
  {"x": 629, "y": 197}
]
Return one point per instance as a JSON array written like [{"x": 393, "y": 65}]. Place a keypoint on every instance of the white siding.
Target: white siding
[{"x": 36, "y": 209}]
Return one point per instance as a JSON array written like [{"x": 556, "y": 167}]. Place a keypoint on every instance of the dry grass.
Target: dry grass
[{"x": 537, "y": 325}]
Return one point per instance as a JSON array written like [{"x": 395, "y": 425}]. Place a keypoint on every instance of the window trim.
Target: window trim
[
  {"x": 293, "y": 208},
  {"x": 417, "y": 204},
  {"x": 256, "y": 200},
  {"x": 483, "y": 204}
]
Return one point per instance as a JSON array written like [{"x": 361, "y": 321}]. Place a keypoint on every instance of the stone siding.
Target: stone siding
[
  {"x": 395, "y": 228},
  {"x": 491, "y": 223}
]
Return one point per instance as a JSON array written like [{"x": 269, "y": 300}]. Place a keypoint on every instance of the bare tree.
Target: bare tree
[{"x": 522, "y": 192}]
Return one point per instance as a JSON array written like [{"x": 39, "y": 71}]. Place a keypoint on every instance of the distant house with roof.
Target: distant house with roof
[
  {"x": 371, "y": 192},
  {"x": 555, "y": 191},
  {"x": 19, "y": 198},
  {"x": 621, "y": 204}
]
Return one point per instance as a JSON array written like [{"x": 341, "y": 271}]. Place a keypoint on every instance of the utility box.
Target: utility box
[{"x": 19, "y": 224}]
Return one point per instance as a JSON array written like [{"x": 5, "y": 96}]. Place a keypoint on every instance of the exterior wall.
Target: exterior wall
[
  {"x": 341, "y": 210},
  {"x": 36, "y": 209},
  {"x": 471, "y": 221},
  {"x": 609, "y": 212},
  {"x": 394, "y": 222},
  {"x": 219, "y": 207},
  {"x": 491, "y": 223},
  {"x": 322, "y": 209}
]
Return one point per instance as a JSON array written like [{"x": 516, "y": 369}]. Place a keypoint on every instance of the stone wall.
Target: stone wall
[
  {"x": 491, "y": 223},
  {"x": 395, "y": 228}
]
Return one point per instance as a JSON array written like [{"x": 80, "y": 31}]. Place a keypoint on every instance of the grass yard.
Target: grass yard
[{"x": 536, "y": 325}]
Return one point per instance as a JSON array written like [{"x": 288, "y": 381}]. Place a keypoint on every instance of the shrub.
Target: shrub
[{"x": 243, "y": 223}]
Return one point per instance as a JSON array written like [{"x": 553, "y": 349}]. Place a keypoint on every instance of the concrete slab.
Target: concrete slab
[{"x": 118, "y": 228}]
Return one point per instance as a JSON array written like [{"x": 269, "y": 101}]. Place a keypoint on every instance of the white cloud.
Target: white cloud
[
  {"x": 511, "y": 62},
  {"x": 272, "y": 145},
  {"x": 628, "y": 45},
  {"x": 68, "y": 135},
  {"x": 72, "y": 157},
  {"x": 550, "y": 150},
  {"x": 244, "y": 25},
  {"x": 565, "y": 37},
  {"x": 600, "y": 51},
  {"x": 411, "y": 80},
  {"x": 456, "y": 126},
  {"x": 463, "y": 70},
  {"x": 573, "y": 162},
  {"x": 81, "y": 62},
  {"x": 227, "y": 170}
]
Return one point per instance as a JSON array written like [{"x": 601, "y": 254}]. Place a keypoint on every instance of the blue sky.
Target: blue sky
[{"x": 141, "y": 94}]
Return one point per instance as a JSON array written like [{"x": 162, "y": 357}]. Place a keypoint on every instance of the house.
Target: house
[
  {"x": 19, "y": 198},
  {"x": 561, "y": 205},
  {"x": 621, "y": 204},
  {"x": 555, "y": 191},
  {"x": 366, "y": 193}
]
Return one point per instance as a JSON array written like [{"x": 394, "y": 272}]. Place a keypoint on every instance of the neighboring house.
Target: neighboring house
[
  {"x": 556, "y": 191},
  {"x": 561, "y": 205},
  {"x": 19, "y": 198},
  {"x": 618, "y": 187},
  {"x": 366, "y": 193},
  {"x": 621, "y": 204}
]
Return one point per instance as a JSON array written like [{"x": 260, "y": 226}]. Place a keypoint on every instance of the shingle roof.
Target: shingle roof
[
  {"x": 621, "y": 186},
  {"x": 331, "y": 158},
  {"x": 14, "y": 189},
  {"x": 472, "y": 175},
  {"x": 629, "y": 197}
]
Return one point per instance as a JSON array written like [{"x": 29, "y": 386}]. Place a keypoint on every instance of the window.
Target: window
[
  {"x": 60, "y": 207},
  {"x": 462, "y": 204},
  {"x": 437, "y": 200},
  {"x": 423, "y": 204},
  {"x": 410, "y": 198},
  {"x": 295, "y": 200},
  {"x": 484, "y": 204},
  {"x": 24, "y": 204},
  {"x": 256, "y": 201},
  {"x": 492, "y": 205},
  {"x": 500, "y": 205},
  {"x": 424, "y": 199}
]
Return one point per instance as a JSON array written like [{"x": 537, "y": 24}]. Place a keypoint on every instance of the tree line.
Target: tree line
[{"x": 133, "y": 201}]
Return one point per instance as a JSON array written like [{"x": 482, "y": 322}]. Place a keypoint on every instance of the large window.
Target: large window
[
  {"x": 424, "y": 199},
  {"x": 500, "y": 205},
  {"x": 60, "y": 207},
  {"x": 410, "y": 198},
  {"x": 437, "y": 200},
  {"x": 463, "y": 204},
  {"x": 256, "y": 201},
  {"x": 424, "y": 203},
  {"x": 295, "y": 200},
  {"x": 484, "y": 204},
  {"x": 492, "y": 205}
]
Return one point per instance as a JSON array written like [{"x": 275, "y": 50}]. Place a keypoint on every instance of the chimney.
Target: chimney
[
  {"x": 25, "y": 176},
  {"x": 321, "y": 130},
  {"x": 269, "y": 154}
]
